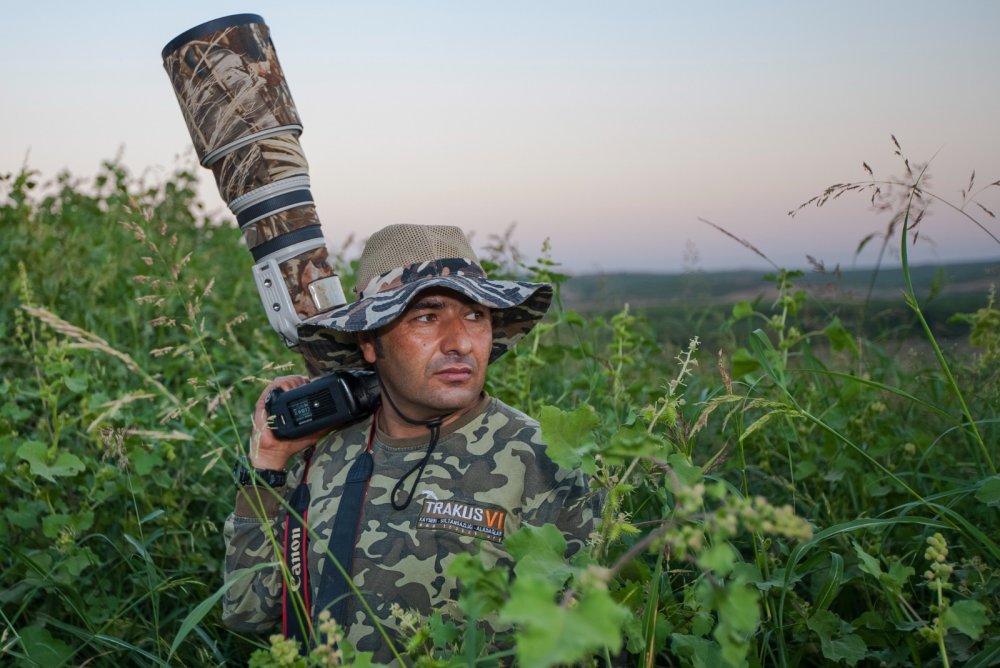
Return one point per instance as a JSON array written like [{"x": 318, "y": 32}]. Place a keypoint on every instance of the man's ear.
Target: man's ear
[{"x": 366, "y": 341}]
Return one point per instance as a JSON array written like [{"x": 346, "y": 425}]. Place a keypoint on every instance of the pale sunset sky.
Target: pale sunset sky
[{"x": 608, "y": 127}]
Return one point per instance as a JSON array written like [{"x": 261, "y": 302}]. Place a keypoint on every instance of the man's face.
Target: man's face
[{"x": 433, "y": 358}]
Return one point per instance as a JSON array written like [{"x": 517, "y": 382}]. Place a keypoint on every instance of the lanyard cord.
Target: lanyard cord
[{"x": 434, "y": 424}]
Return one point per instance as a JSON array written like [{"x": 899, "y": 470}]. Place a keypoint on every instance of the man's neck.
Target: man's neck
[{"x": 393, "y": 425}]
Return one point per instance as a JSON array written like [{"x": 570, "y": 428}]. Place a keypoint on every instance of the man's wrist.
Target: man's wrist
[
  {"x": 248, "y": 474},
  {"x": 268, "y": 460}
]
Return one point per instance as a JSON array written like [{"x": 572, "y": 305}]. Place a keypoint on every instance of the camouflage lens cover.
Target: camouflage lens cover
[
  {"x": 229, "y": 84},
  {"x": 258, "y": 164}
]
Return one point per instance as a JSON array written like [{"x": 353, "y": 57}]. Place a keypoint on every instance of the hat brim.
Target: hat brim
[{"x": 516, "y": 307}]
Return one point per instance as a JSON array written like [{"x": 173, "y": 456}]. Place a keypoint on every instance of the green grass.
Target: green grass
[{"x": 777, "y": 470}]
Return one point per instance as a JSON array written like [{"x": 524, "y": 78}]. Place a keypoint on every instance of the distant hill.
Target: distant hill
[{"x": 611, "y": 290}]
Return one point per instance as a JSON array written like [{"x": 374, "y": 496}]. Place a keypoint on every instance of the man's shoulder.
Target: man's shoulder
[
  {"x": 514, "y": 415},
  {"x": 344, "y": 436},
  {"x": 510, "y": 424}
]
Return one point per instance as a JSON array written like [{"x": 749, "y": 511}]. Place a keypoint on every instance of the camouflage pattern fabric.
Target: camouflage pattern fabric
[
  {"x": 230, "y": 85},
  {"x": 278, "y": 224},
  {"x": 298, "y": 272},
  {"x": 258, "y": 164},
  {"x": 488, "y": 476},
  {"x": 516, "y": 307}
]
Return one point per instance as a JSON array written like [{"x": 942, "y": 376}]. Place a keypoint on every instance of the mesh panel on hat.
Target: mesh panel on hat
[{"x": 398, "y": 246}]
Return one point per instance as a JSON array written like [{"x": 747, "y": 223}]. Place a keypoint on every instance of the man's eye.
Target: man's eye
[
  {"x": 476, "y": 315},
  {"x": 425, "y": 317}
]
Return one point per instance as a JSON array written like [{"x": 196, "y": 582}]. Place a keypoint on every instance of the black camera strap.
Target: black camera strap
[{"x": 333, "y": 587}]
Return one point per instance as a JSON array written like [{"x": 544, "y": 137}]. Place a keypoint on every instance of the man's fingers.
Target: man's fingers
[{"x": 283, "y": 383}]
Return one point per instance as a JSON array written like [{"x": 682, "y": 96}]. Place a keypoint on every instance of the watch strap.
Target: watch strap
[{"x": 247, "y": 475}]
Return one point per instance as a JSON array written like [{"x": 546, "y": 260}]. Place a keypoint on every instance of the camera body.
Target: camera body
[{"x": 326, "y": 402}]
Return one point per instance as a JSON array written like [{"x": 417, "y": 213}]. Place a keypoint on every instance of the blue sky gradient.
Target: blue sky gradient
[{"x": 609, "y": 128}]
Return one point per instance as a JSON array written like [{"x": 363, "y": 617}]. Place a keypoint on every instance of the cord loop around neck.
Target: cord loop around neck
[{"x": 434, "y": 425}]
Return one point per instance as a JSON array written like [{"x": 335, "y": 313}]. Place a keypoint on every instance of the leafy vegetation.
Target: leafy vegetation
[{"x": 809, "y": 494}]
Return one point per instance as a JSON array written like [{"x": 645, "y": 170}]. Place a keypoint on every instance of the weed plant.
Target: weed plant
[{"x": 794, "y": 495}]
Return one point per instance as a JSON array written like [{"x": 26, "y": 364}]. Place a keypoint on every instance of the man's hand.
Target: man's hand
[{"x": 266, "y": 451}]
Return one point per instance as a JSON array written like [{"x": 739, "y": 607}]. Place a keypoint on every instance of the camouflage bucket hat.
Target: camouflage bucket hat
[{"x": 399, "y": 262}]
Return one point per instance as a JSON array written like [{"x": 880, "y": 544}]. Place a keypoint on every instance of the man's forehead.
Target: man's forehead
[{"x": 438, "y": 296}]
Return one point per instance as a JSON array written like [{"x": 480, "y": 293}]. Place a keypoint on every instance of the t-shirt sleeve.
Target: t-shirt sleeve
[
  {"x": 254, "y": 535},
  {"x": 570, "y": 505}
]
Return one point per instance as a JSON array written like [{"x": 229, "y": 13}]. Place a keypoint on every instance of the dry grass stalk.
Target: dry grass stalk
[
  {"x": 740, "y": 240},
  {"x": 115, "y": 405},
  {"x": 82, "y": 339}
]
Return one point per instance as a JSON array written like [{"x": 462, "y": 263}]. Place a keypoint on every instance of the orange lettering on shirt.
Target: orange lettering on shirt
[{"x": 494, "y": 519}]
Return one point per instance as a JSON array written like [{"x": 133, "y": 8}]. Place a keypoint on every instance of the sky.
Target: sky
[{"x": 608, "y": 128}]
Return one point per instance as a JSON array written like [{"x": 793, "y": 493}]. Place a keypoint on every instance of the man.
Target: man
[{"x": 444, "y": 468}]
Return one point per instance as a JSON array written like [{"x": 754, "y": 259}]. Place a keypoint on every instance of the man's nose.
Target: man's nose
[{"x": 456, "y": 337}]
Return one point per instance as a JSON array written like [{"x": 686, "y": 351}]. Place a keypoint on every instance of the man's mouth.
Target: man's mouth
[{"x": 454, "y": 374}]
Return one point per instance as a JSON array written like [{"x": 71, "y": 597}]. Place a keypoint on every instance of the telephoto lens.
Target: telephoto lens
[{"x": 245, "y": 128}]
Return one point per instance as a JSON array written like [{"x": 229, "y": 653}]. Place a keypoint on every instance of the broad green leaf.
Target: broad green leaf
[
  {"x": 739, "y": 607},
  {"x": 718, "y": 558},
  {"x": 686, "y": 472},
  {"x": 539, "y": 552},
  {"x": 989, "y": 491},
  {"x": 824, "y": 623},
  {"x": 42, "y": 648},
  {"x": 867, "y": 562},
  {"x": 574, "y": 318},
  {"x": 898, "y": 576},
  {"x": 849, "y": 649},
  {"x": 840, "y": 338},
  {"x": 77, "y": 383},
  {"x": 743, "y": 362},
  {"x": 702, "y": 623},
  {"x": 837, "y": 641},
  {"x": 79, "y": 562},
  {"x": 362, "y": 660},
  {"x": 483, "y": 590},
  {"x": 37, "y": 455},
  {"x": 569, "y": 436},
  {"x": 739, "y": 615},
  {"x": 13, "y": 411},
  {"x": 632, "y": 442},
  {"x": 742, "y": 309},
  {"x": 968, "y": 617},
  {"x": 52, "y": 524},
  {"x": 701, "y": 652},
  {"x": 443, "y": 632},
  {"x": 145, "y": 460},
  {"x": 549, "y": 633}
]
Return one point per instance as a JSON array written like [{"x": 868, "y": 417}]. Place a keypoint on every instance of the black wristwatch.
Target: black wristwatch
[{"x": 246, "y": 475}]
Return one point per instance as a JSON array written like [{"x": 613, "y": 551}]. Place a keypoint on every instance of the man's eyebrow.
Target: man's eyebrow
[{"x": 427, "y": 303}]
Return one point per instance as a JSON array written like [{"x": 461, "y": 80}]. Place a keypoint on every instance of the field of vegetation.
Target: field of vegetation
[{"x": 789, "y": 481}]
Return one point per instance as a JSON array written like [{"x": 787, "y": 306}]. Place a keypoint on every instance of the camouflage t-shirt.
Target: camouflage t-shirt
[{"x": 488, "y": 475}]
